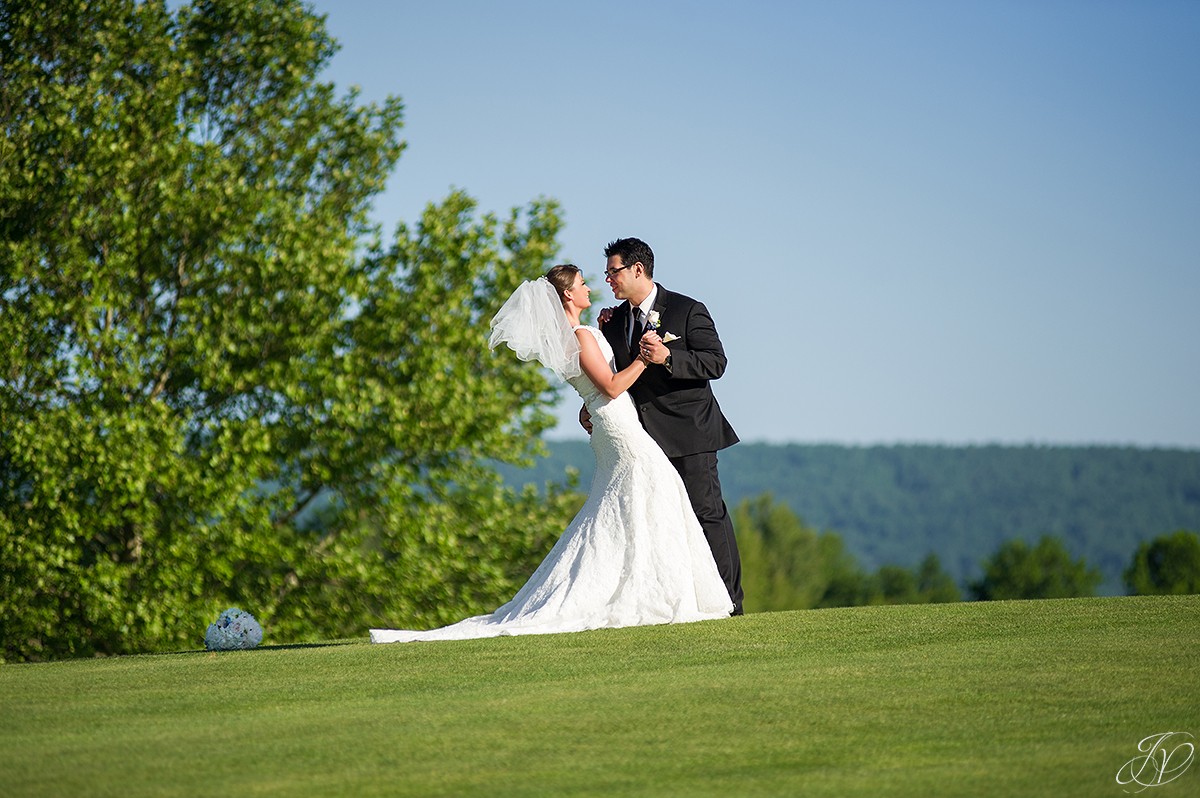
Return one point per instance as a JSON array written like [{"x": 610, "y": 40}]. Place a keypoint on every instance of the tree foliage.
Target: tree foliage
[
  {"x": 894, "y": 504},
  {"x": 1046, "y": 570},
  {"x": 787, "y": 565},
  {"x": 1167, "y": 565},
  {"x": 205, "y": 339}
]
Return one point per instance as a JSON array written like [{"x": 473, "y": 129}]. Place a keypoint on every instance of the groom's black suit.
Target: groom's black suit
[{"x": 678, "y": 409}]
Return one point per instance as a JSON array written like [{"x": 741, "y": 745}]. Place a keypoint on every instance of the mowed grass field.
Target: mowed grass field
[{"x": 1006, "y": 698}]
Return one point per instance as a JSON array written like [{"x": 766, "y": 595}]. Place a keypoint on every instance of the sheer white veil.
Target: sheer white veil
[{"x": 534, "y": 325}]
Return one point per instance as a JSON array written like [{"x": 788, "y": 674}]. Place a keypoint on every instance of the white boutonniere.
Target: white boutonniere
[{"x": 654, "y": 321}]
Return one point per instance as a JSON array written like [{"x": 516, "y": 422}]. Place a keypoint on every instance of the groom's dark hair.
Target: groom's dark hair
[{"x": 632, "y": 250}]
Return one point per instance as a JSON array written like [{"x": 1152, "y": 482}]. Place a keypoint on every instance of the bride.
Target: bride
[{"x": 635, "y": 554}]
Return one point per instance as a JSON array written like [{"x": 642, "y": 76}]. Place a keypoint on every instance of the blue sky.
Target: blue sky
[{"x": 938, "y": 222}]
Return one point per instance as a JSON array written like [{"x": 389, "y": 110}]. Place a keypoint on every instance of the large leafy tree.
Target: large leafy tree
[
  {"x": 217, "y": 384},
  {"x": 1167, "y": 565}
]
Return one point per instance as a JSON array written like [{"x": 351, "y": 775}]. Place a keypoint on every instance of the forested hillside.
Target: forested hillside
[{"x": 896, "y": 504}]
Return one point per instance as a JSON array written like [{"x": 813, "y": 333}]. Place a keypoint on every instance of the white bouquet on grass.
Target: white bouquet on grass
[{"x": 233, "y": 629}]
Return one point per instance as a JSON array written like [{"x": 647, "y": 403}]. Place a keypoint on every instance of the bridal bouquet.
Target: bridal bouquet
[{"x": 233, "y": 629}]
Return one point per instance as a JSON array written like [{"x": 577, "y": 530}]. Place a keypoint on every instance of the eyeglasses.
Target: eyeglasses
[{"x": 610, "y": 273}]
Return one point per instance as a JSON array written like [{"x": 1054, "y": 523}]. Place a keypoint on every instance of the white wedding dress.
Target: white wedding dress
[{"x": 635, "y": 554}]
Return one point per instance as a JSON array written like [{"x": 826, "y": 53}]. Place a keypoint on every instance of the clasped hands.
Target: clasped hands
[{"x": 651, "y": 349}]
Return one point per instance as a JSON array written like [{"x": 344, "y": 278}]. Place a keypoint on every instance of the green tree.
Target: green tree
[
  {"x": 1018, "y": 571},
  {"x": 1167, "y": 565},
  {"x": 934, "y": 584},
  {"x": 893, "y": 584},
  {"x": 787, "y": 565},
  {"x": 928, "y": 584},
  {"x": 205, "y": 338}
]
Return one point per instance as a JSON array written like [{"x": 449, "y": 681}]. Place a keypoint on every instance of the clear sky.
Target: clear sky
[{"x": 914, "y": 222}]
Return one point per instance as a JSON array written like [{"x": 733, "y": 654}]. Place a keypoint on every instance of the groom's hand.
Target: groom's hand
[
  {"x": 585, "y": 419},
  {"x": 652, "y": 348}
]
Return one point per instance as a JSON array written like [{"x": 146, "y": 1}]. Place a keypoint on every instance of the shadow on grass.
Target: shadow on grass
[
  {"x": 281, "y": 647},
  {"x": 326, "y": 644},
  {"x": 192, "y": 651}
]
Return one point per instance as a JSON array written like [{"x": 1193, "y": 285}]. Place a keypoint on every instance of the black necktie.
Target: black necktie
[{"x": 635, "y": 333}]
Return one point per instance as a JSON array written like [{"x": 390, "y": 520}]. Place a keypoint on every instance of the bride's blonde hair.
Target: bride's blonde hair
[{"x": 562, "y": 277}]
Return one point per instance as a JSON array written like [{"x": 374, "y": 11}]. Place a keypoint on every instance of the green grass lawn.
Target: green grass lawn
[{"x": 1006, "y": 698}]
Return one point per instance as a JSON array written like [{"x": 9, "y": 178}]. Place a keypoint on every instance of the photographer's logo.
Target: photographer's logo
[{"x": 1164, "y": 758}]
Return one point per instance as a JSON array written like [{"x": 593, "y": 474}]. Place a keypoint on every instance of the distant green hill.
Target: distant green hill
[{"x": 895, "y": 504}]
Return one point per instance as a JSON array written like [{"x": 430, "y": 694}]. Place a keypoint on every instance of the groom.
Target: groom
[{"x": 673, "y": 398}]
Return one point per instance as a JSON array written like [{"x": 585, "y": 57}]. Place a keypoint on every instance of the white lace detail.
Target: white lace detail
[
  {"x": 586, "y": 389},
  {"x": 634, "y": 555}
]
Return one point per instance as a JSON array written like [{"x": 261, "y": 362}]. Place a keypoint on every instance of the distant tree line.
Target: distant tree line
[
  {"x": 894, "y": 505},
  {"x": 788, "y": 565}
]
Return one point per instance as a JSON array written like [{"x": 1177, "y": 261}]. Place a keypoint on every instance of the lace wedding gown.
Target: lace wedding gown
[{"x": 635, "y": 554}]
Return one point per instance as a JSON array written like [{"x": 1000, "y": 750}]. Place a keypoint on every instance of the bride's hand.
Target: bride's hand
[
  {"x": 605, "y": 315},
  {"x": 652, "y": 349}
]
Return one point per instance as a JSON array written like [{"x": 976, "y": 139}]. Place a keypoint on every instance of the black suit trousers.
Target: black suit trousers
[{"x": 699, "y": 474}]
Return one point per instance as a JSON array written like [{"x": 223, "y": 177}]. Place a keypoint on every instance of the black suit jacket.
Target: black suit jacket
[{"x": 678, "y": 408}]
